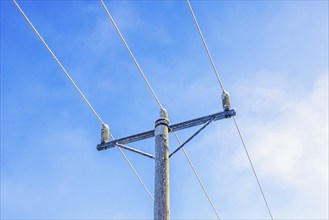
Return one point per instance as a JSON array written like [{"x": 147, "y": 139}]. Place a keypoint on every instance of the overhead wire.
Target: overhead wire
[
  {"x": 134, "y": 170},
  {"x": 136, "y": 151},
  {"x": 190, "y": 138},
  {"x": 235, "y": 121},
  {"x": 132, "y": 55},
  {"x": 157, "y": 100},
  {"x": 205, "y": 46},
  {"x": 82, "y": 95},
  {"x": 198, "y": 177},
  {"x": 154, "y": 95},
  {"x": 59, "y": 63},
  {"x": 252, "y": 166}
]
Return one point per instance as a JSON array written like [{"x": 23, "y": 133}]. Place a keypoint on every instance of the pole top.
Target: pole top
[
  {"x": 163, "y": 120},
  {"x": 163, "y": 113}
]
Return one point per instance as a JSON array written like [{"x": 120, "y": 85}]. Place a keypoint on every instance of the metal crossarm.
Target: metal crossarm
[
  {"x": 199, "y": 121},
  {"x": 175, "y": 127},
  {"x": 125, "y": 140}
]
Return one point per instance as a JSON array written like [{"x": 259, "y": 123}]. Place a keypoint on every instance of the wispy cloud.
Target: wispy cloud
[{"x": 290, "y": 150}]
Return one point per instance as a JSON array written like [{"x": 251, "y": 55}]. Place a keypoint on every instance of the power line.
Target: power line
[
  {"x": 235, "y": 122},
  {"x": 133, "y": 169},
  {"x": 59, "y": 63},
  {"x": 132, "y": 55},
  {"x": 135, "y": 151},
  {"x": 253, "y": 169},
  {"x": 85, "y": 99},
  {"x": 190, "y": 138},
  {"x": 198, "y": 177},
  {"x": 155, "y": 97},
  {"x": 205, "y": 45},
  {"x": 153, "y": 93}
]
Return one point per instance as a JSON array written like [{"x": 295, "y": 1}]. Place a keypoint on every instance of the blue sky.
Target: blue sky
[{"x": 271, "y": 55}]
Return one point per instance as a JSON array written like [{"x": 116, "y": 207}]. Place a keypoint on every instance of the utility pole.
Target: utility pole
[
  {"x": 161, "y": 182},
  {"x": 162, "y": 156}
]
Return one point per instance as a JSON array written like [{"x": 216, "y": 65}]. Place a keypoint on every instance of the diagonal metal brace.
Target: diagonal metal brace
[
  {"x": 190, "y": 138},
  {"x": 135, "y": 150},
  {"x": 172, "y": 128}
]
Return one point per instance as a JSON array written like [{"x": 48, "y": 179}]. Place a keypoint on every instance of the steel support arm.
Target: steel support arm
[
  {"x": 135, "y": 151},
  {"x": 172, "y": 128}
]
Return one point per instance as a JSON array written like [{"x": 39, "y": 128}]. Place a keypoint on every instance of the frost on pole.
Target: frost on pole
[{"x": 161, "y": 185}]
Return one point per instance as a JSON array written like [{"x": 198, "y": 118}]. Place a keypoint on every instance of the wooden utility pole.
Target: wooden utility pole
[
  {"x": 161, "y": 183},
  {"x": 161, "y": 134}
]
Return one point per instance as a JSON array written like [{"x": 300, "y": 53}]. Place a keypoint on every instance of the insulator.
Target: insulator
[
  {"x": 226, "y": 101},
  {"x": 105, "y": 133}
]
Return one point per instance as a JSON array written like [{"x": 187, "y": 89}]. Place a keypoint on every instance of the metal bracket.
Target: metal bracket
[
  {"x": 190, "y": 138},
  {"x": 135, "y": 150}
]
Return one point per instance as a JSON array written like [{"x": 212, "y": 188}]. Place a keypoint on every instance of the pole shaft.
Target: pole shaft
[{"x": 161, "y": 187}]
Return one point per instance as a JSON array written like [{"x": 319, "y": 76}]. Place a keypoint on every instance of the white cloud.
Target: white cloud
[{"x": 288, "y": 145}]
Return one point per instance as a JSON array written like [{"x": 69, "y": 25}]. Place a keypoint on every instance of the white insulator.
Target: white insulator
[
  {"x": 226, "y": 101},
  {"x": 105, "y": 133}
]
